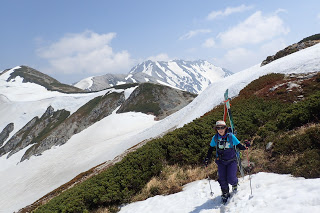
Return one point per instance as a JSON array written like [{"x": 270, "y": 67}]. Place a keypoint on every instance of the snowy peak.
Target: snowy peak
[{"x": 191, "y": 76}]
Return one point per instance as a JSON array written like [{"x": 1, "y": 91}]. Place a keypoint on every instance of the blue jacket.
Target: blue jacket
[
  {"x": 225, "y": 147},
  {"x": 229, "y": 136}
]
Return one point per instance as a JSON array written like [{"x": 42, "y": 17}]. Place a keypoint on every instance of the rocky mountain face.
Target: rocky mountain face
[
  {"x": 305, "y": 43},
  {"x": 5, "y": 133},
  {"x": 158, "y": 100},
  {"x": 33, "y": 76},
  {"x": 191, "y": 76},
  {"x": 55, "y": 128}
]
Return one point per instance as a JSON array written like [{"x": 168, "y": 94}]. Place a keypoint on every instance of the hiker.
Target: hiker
[{"x": 226, "y": 158}]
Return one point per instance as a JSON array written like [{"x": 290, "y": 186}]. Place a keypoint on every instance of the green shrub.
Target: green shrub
[
  {"x": 311, "y": 38},
  {"x": 308, "y": 165},
  {"x": 301, "y": 113},
  {"x": 113, "y": 186},
  {"x": 260, "y": 83}
]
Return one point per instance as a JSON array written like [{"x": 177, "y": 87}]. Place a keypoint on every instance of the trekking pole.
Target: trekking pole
[
  {"x": 211, "y": 192},
  {"x": 249, "y": 172}
]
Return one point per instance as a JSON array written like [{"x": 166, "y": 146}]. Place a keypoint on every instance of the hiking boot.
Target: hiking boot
[
  {"x": 235, "y": 188},
  {"x": 225, "y": 196}
]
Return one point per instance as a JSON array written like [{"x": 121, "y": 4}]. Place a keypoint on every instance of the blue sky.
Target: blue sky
[{"x": 74, "y": 39}]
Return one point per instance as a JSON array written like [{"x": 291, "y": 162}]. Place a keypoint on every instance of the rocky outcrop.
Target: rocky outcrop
[
  {"x": 88, "y": 114},
  {"x": 5, "y": 133},
  {"x": 289, "y": 50},
  {"x": 155, "y": 99},
  {"x": 34, "y": 130}
]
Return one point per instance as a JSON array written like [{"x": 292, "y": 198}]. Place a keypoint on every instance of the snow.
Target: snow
[
  {"x": 32, "y": 179},
  {"x": 121, "y": 82},
  {"x": 24, "y": 183},
  {"x": 85, "y": 83},
  {"x": 172, "y": 65},
  {"x": 270, "y": 193},
  {"x": 28, "y": 181}
]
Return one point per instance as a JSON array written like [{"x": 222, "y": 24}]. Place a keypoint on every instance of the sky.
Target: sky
[{"x": 75, "y": 39}]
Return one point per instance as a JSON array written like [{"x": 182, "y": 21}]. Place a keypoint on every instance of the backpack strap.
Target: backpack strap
[
  {"x": 216, "y": 140},
  {"x": 229, "y": 136}
]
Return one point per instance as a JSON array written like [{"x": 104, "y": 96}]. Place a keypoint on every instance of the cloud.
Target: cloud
[
  {"x": 280, "y": 10},
  {"x": 209, "y": 43},
  {"x": 240, "y": 58},
  {"x": 159, "y": 57},
  {"x": 318, "y": 16},
  {"x": 228, "y": 11},
  {"x": 237, "y": 59},
  {"x": 270, "y": 48},
  {"x": 255, "y": 29},
  {"x": 86, "y": 52},
  {"x": 194, "y": 33}
]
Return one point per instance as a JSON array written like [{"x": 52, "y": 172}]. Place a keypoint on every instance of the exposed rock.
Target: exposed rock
[
  {"x": 269, "y": 146},
  {"x": 289, "y": 50},
  {"x": 247, "y": 165},
  {"x": 21, "y": 135},
  {"x": 88, "y": 114},
  {"x": 34, "y": 130},
  {"x": 5, "y": 133}
]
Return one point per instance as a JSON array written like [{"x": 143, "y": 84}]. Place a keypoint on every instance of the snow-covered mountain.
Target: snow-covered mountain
[
  {"x": 25, "y": 182},
  {"x": 191, "y": 76},
  {"x": 58, "y": 124}
]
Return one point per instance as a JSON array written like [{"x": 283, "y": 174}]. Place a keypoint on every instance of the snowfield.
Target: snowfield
[
  {"x": 23, "y": 183},
  {"x": 270, "y": 193}
]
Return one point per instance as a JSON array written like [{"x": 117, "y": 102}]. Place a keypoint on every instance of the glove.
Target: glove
[
  {"x": 247, "y": 143},
  {"x": 206, "y": 162}
]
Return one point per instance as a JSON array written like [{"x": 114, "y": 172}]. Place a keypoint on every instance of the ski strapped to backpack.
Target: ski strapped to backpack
[{"x": 227, "y": 111}]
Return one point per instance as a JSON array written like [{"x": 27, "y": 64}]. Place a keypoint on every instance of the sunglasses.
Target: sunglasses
[{"x": 220, "y": 127}]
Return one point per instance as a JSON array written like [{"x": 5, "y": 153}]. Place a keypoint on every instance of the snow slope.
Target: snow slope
[
  {"x": 26, "y": 182},
  {"x": 20, "y": 102},
  {"x": 270, "y": 193}
]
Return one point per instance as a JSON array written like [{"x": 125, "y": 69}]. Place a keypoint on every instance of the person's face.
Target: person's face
[{"x": 221, "y": 130}]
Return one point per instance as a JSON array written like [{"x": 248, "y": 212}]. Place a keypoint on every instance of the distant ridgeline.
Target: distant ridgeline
[
  {"x": 33, "y": 76},
  {"x": 304, "y": 43}
]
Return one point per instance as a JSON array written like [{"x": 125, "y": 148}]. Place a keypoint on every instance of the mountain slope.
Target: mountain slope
[
  {"x": 304, "y": 43},
  {"x": 158, "y": 100},
  {"x": 55, "y": 128},
  {"x": 301, "y": 62},
  {"x": 270, "y": 193},
  {"x": 31, "y": 75},
  {"x": 191, "y": 76}
]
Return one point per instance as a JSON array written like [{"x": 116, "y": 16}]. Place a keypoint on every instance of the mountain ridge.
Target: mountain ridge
[
  {"x": 191, "y": 76},
  {"x": 31, "y": 75}
]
